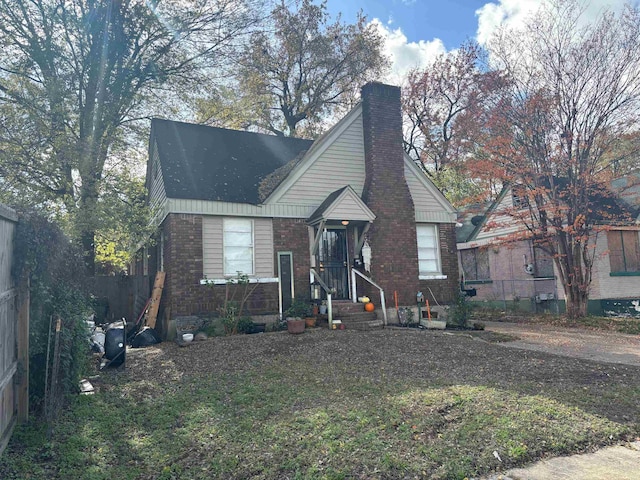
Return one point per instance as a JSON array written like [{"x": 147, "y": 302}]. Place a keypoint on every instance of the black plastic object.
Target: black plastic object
[
  {"x": 145, "y": 338},
  {"x": 114, "y": 344}
]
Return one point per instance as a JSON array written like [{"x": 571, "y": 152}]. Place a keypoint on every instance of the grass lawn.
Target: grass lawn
[{"x": 384, "y": 404}]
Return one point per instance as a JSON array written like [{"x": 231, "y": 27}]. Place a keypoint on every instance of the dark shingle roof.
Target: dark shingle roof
[{"x": 208, "y": 163}]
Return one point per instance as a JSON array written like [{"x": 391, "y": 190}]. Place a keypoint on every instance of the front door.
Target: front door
[{"x": 333, "y": 261}]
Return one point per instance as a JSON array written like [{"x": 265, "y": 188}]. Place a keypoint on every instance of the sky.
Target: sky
[{"x": 416, "y": 31}]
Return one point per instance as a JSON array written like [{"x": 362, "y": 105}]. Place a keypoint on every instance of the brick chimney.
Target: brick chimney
[{"x": 392, "y": 237}]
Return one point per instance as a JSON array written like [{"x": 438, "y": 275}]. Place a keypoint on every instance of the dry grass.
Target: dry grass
[{"x": 395, "y": 403}]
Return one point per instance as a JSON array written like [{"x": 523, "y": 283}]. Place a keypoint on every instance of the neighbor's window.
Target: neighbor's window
[
  {"x": 519, "y": 196},
  {"x": 624, "y": 251},
  {"x": 428, "y": 249},
  {"x": 475, "y": 263},
  {"x": 238, "y": 246}
]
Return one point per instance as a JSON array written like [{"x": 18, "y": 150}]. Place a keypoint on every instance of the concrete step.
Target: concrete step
[
  {"x": 343, "y": 307},
  {"x": 357, "y": 317},
  {"x": 364, "y": 326},
  {"x": 360, "y": 320}
]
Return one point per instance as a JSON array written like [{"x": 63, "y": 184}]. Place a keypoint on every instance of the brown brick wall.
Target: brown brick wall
[
  {"x": 444, "y": 291},
  {"x": 183, "y": 294},
  {"x": 392, "y": 237},
  {"x": 292, "y": 235}
]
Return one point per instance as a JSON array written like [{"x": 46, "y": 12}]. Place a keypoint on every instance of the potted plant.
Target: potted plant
[{"x": 296, "y": 314}]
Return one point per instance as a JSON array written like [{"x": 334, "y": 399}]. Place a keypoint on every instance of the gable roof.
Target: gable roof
[
  {"x": 313, "y": 153},
  {"x": 208, "y": 163},
  {"x": 343, "y": 204},
  {"x": 469, "y": 218},
  {"x": 434, "y": 192},
  {"x": 609, "y": 209}
]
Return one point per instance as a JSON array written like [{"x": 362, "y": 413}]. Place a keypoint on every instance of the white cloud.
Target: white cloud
[
  {"x": 514, "y": 13},
  {"x": 406, "y": 55}
]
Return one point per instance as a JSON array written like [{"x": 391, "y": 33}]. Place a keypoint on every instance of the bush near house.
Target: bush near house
[{"x": 54, "y": 268}]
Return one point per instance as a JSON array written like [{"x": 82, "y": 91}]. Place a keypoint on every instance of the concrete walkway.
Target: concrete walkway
[
  {"x": 609, "y": 347},
  {"x": 611, "y": 463},
  {"x": 620, "y": 462}
]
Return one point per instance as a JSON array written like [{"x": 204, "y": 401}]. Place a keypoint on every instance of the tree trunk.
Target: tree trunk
[
  {"x": 576, "y": 302},
  {"x": 89, "y": 252},
  {"x": 88, "y": 222}
]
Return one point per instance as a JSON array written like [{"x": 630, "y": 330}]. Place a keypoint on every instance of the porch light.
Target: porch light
[
  {"x": 316, "y": 291},
  {"x": 345, "y": 222}
]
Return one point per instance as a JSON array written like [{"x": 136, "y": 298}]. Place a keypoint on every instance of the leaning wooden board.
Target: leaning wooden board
[{"x": 156, "y": 295}]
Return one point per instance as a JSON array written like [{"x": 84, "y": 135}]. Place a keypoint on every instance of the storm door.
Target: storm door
[{"x": 332, "y": 261}]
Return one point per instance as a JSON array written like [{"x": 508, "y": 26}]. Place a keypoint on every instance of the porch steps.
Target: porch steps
[
  {"x": 354, "y": 317},
  {"x": 342, "y": 307}
]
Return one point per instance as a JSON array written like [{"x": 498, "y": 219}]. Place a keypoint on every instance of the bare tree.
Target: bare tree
[
  {"x": 74, "y": 72},
  {"x": 575, "y": 89},
  {"x": 289, "y": 80},
  {"x": 441, "y": 103}
]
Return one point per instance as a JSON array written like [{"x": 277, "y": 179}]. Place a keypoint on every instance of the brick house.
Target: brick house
[
  {"x": 279, "y": 208},
  {"x": 521, "y": 276}
]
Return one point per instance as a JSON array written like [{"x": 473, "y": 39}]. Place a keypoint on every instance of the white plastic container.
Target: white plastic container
[{"x": 187, "y": 337}]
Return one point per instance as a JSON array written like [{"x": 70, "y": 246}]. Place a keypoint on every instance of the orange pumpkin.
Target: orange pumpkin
[{"x": 369, "y": 307}]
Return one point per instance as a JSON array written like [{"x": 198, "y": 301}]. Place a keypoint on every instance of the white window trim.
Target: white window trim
[
  {"x": 253, "y": 249},
  {"x": 433, "y": 275}
]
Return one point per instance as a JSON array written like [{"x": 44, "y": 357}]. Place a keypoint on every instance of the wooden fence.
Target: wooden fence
[
  {"x": 14, "y": 335},
  {"x": 126, "y": 295}
]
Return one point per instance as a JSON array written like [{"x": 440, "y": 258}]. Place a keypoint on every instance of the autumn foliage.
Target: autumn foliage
[{"x": 573, "y": 90}]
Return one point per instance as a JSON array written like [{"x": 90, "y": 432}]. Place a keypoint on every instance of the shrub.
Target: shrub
[
  {"x": 55, "y": 270},
  {"x": 246, "y": 325},
  {"x": 460, "y": 312},
  {"x": 298, "y": 309}
]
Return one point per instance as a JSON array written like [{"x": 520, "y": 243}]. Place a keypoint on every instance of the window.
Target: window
[
  {"x": 475, "y": 264},
  {"x": 624, "y": 251},
  {"x": 428, "y": 249},
  {"x": 519, "y": 197},
  {"x": 238, "y": 246}
]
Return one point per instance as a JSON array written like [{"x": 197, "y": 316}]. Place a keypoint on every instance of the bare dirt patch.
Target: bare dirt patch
[{"x": 437, "y": 357}]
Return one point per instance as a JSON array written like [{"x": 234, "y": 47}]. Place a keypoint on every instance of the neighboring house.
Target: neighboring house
[
  {"x": 521, "y": 276},
  {"x": 275, "y": 208}
]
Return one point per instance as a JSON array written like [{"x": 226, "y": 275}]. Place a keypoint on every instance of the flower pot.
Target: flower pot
[
  {"x": 310, "y": 322},
  {"x": 323, "y": 309},
  {"x": 295, "y": 325}
]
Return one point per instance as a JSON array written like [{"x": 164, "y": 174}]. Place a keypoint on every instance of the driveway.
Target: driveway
[{"x": 599, "y": 346}]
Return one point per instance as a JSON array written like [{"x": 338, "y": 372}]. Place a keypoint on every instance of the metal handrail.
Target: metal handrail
[
  {"x": 329, "y": 291},
  {"x": 354, "y": 295}
]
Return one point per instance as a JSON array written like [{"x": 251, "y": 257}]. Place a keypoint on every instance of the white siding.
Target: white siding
[
  {"x": 157, "y": 195},
  {"x": 212, "y": 256},
  {"x": 348, "y": 206},
  {"x": 423, "y": 199},
  {"x": 342, "y": 163},
  {"x": 501, "y": 223},
  {"x": 212, "y": 246},
  {"x": 205, "y": 207},
  {"x": 263, "y": 241},
  {"x": 430, "y": 206}
]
